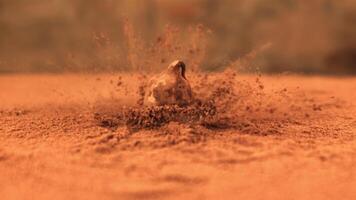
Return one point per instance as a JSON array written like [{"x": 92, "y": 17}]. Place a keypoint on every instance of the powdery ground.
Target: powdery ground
[{"x": 52, "y": 148}]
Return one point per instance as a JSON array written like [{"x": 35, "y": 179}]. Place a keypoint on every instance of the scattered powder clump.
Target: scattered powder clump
[{"x": 222, "y": 101}]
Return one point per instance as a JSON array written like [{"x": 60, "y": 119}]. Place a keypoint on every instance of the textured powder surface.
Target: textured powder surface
[{"x": 245, "y": 137}]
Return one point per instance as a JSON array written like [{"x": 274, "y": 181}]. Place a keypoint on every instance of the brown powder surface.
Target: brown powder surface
[{"x": 245, "y": 137}]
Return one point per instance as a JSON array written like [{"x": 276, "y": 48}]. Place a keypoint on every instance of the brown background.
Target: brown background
[{"x": 315, "y": 36}]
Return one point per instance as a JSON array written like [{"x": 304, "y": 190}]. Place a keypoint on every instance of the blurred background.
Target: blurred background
[{"x": 314, "y": 36}]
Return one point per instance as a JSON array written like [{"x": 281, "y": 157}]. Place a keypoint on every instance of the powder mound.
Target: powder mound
[
  {"x": 214, "y": 109},
  {"x": 156, "y": 116}
]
